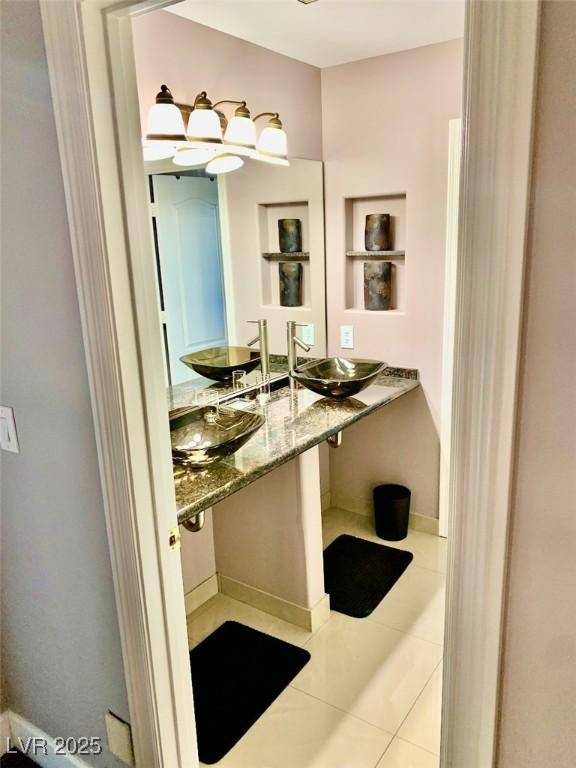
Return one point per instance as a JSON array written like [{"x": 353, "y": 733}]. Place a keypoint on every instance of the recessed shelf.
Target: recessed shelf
[
  {"x": 375, "y": 255},
  {"x": 298, "y": 256},
  {"x": 355, "y": 211},
  {"x": 271, "y": 257}
]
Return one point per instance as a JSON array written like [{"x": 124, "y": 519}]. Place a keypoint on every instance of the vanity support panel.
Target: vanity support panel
[{"x": 268, "y": 537}]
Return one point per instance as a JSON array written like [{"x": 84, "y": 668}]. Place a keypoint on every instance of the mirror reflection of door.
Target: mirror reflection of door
[{"x": 190, "y": 274}]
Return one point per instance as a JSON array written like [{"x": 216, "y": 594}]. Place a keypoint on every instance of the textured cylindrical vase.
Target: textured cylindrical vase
[
  {"x": 377, "y": 232},
  {"x": 377, "y": 285},
  {"x": 290, "y": 283},
  {"x": 290, "y": 235}
]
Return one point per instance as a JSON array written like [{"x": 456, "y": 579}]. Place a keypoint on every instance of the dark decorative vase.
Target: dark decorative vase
[
  {"x": 290, "y": 235},
  {"x": 377, "y": 232},
  {"x": 290, "y": 283},
  {"x": 377, "y": 285}
]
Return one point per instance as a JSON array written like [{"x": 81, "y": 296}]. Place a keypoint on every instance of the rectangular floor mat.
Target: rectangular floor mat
[
  {"x": 359, "y": 573},
  {"x": 17, "y": 760},
  {"x": 237, "y": 672}
]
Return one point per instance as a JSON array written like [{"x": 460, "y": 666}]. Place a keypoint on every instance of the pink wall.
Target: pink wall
[
  {"x": 189, "y": 58},
  {"x": 538, "y": 711},
  {"x": 385, "y": 131}
]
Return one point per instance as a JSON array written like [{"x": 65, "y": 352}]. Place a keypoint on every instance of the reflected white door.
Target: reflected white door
[{"x": 190, "y": 259}]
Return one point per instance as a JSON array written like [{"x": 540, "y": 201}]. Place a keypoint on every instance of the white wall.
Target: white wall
[
  {"x": 61, "y": 656},
  {"x": 268, "y": 535},
  {"x": 197, "y": 554},
  {"x": 396, "y": 141},
  {"x": 538, "y": 707},
  {"x": 398, "y": 444},
  {"x": 256, "y": 197}
]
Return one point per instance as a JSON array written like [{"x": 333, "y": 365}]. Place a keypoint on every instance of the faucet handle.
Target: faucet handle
[{"x": 259, "y": 322}]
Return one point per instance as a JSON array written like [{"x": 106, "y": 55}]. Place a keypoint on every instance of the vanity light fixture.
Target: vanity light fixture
[
  {"x": 204, "y": 127},
  {"x": 209, "y": 138},
  {"x": 165, "y": 121},
  {"x": 190, "y": 157},
  {"x": 165, "y": 128},
  {"x": 224, "y": 164},
  {"x": 272, "y": 145},
  {"x": 240, "y": 134}
]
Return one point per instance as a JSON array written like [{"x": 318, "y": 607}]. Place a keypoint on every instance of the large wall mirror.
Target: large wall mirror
[{"x": 230, "y": 250}]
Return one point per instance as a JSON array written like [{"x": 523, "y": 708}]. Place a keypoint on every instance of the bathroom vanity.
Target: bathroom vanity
[
  {"x": 265, "y": 500},
  {"x": 295, "y": 421}
]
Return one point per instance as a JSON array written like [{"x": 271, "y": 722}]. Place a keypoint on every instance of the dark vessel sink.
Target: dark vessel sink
[
  {"x": 201, "y": 436},
  {"x": 217, "y": 363},
  {"x": 337, "y": 377}
]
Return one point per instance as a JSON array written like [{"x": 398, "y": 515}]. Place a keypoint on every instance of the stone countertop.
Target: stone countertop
[{"x": 295, "y": 422}]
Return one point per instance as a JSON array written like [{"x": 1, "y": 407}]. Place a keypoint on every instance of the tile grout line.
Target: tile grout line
[
  {"x": 343, "y": 711},
  {"x": 414, "y": 704}
]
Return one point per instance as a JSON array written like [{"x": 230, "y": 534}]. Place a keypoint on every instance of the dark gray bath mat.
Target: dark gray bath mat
[
  {"x": 359, "y": 573},
  {"x": 16, "y": 760},
  {"x": 237, "y": 672}
]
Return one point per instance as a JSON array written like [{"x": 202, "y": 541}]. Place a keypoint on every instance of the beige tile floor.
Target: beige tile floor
[{"x": 370, "y": 697}]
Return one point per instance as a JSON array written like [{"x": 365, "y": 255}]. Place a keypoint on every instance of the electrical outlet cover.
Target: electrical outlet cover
[
  {"x": 8, "y": 436},
  {"x": 119, "y": 738},
  {"x": 308, "y": 334}
]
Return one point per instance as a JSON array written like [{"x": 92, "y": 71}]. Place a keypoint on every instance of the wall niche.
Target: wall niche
[
  {"x": 355, "y": 211},
  {"x": 268, "y": 216}
]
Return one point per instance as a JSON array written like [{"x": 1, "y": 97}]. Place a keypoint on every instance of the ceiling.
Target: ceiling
[{"x": 330, "y": 32}]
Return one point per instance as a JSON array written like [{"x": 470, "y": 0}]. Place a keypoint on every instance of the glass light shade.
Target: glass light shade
[
  {"x": 193, "y": 156},
  {"x": 157, "y": 150},
  {"x": 165, "y": 123},
  {"x": 273, "y": 141},
  {"x": 270, "y": 159},
  {"x": 241, "y": 132},
  {"x": 204, "y": 128},
  {"x": 224, "y": 164}
]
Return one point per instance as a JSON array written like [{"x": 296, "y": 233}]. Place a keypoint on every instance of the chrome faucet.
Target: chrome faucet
[
  {"x": 292, "y": 342},
  {"x": 262, "y": 338}
]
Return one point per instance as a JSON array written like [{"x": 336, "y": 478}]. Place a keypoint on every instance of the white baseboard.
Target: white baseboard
[
  {"x": 325, "y": 501},
  {"x": 308, "y": 618},
  {"x": 39, "y": 746},
  {"x": 4, "y": 732},
  {"x": 424, "y": 524},
  {"x": 201, "y": 594},
  {"x": 364, "y": 507}
]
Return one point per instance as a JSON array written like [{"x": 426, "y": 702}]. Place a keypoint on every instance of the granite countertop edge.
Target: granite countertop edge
[{"x": 188, "y": 511}]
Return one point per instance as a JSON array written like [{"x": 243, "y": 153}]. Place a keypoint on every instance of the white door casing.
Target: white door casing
[
  {"x": 94, "y": 92},
  {"x": 452, "y": 209}
]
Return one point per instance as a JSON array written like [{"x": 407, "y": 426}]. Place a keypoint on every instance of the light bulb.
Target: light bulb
[{"x": 224, "y": 164}]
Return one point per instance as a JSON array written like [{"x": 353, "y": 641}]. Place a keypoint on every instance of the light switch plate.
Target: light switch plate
[
  {"x": 308, "y": 334},
  {"x": 119, "y": 736},
  {"x": 8, "y": 436},
  {"x": 347, "y": 336}
]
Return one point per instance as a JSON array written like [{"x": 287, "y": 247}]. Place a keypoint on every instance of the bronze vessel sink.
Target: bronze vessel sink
[
  {"x": 200, "y": 436},
  {"x": 337, "y": 377},
  {"x": 217, "y": 363}
]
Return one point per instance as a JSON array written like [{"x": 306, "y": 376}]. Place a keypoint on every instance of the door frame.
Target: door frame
[
  {"x": 450, "y": 274},
  {"x": 90, "y": 59}
]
